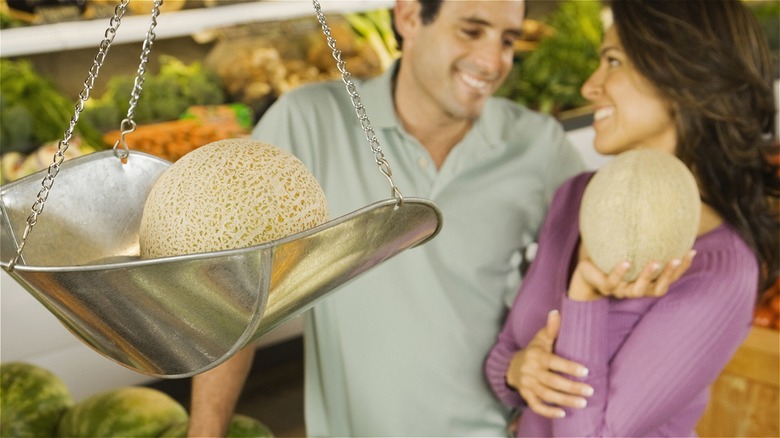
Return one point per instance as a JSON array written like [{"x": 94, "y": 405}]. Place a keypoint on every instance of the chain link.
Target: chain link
[
  {"x": 360, "y": 110},
  {"x": 62, "y": 146},
  {"x": 128, "y": 124}
]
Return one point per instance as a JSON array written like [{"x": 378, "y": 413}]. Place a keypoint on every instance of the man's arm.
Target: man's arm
[{"x": 215, "y": 393}]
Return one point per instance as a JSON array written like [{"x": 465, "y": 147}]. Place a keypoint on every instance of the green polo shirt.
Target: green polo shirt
[{"x": 399, "y": 350}]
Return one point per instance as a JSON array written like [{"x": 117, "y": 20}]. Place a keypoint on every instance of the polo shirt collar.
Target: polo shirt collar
[{"x": 377, "y": 96}]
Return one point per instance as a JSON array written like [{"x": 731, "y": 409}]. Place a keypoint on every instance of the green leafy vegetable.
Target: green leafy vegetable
[
  {"x": 549, "y": 78},
  {"x": 164, "y": 96},
  {"x": 33, "y": 111}
]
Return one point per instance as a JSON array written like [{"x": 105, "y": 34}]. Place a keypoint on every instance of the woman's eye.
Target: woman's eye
[{"x": 613, "y": 62}]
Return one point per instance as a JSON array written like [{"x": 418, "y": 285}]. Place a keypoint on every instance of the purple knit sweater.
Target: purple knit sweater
[{"x": 651, "y": 360}]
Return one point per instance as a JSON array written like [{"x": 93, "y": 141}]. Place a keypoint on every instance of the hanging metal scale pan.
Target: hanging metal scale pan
[{"x": 179, "y": 316}]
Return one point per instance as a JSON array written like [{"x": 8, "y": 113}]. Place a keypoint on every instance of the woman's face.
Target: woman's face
[{"x": 629, "y": 113}]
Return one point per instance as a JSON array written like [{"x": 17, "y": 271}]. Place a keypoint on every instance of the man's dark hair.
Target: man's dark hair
[{"x": 428, "y": 11}]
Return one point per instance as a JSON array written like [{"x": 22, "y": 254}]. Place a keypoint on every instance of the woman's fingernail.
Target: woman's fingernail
[
  {"x": 582, "y": 372},
  {"x": 553, "y": 312},
  {"x": 655, "y": 266},
  {"x": 625, "y": 265},
  {"x": 693, "y": 253},
  {"x": 560, "y": 414},
  {"x": 587, "y": 392},
  {"x": 581, "y": 403},
  {"x": 675, "y": 263}
]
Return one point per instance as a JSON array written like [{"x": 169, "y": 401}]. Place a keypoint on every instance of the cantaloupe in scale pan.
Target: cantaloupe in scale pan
[{"x": 229, "y": 194}]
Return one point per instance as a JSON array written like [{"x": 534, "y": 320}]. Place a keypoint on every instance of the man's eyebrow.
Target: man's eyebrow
[{"x": 482, "y": 22}]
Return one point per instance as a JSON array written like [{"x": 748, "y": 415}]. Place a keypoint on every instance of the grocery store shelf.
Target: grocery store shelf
[{"x": 84, "y": 34}]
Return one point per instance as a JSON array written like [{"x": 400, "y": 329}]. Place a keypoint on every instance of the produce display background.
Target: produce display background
[{"x": 275, "y": 396}]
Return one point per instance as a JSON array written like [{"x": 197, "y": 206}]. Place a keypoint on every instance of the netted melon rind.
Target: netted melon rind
[
  {"x": 229, "y": 194},
  {"x": 641, "y": 206}
]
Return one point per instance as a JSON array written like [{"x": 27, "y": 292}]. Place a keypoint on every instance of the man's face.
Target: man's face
[{"x": 459, "y": 60}]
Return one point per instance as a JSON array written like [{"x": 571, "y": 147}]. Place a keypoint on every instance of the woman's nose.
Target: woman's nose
[{"x": 592, "y": 88}]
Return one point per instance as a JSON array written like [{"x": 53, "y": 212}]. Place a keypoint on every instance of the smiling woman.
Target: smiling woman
[{"x": 580, "y": 345}]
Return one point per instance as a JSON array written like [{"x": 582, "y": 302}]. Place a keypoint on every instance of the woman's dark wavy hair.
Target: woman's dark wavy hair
[{"x": 712, "y": 61}]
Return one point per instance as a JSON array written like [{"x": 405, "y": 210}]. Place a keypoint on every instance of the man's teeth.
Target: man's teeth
[
  {"x": 603, "y": 113},
  {"x": 474, "y": 82}
]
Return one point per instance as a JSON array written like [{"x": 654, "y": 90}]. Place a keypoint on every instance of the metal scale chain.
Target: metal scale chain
[
  {"x": 360, "y": 110},
  {"x": 128, "y": 125}
]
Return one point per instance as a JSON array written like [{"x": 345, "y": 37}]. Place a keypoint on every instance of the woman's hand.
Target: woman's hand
[
  {"x": 534, "y": 372},
  {"x": 589, "y": 283}
]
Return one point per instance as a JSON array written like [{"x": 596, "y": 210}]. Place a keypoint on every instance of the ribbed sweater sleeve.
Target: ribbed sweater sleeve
[
  {"x": 541, "y": 290},
  {"x": 672, "y": 354},
  {"x": 651, "y": 360},
  {"x": 497, "y": 364}
]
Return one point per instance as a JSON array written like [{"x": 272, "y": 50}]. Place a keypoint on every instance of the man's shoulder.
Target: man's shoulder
[
  {"x": 506, "y": 114},
  {"x": 313, "y": 93},
  {"x": 320, "y": 102},
  {"x": 506, "y": 120}
]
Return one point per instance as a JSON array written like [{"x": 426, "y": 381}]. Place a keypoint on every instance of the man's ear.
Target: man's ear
[{"x": 407, "y": 17}]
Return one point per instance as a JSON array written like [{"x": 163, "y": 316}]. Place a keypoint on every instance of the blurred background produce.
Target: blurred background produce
[
  {"x": 257, "y": 64},
  {"x": 186, "y": 101},
  {"x": 292, "y": 53},
  {"x": 34, "y": 402},
  {"x": 34, "y": 12},
  {"x": 44, "y": 11},
  {"x": 768, "y": 14},
  {"x": 549, "y": 76},
  {"x": 767, "y": 313},
  {"x": 240, "y": 71},
  {"x": 33, "y": 111},
  {"x": 165, "y": 96}
]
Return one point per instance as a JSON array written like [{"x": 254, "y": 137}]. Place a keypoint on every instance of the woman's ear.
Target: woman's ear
[{"x": 407, "y": 17}]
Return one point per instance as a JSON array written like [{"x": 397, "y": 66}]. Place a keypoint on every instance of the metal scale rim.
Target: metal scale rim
[{"x": 178, "y": 316}]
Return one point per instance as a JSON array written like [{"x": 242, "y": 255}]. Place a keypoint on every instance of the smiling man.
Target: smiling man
[
  {"x": 399, "y": 350},
  {"x": 451, "y": 66}
]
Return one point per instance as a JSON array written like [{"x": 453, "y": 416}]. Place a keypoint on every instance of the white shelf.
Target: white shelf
[{"x": 85, "y": 34}]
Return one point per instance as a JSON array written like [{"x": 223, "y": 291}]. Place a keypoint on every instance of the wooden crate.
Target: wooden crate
[{"x": 745, "y": 400}]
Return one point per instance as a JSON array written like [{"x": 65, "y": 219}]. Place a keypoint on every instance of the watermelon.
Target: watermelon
[
  {"x": 132, "y": 411},
  {"x": 241, "y": 426},
  {"x": 32, "y": 400}
]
